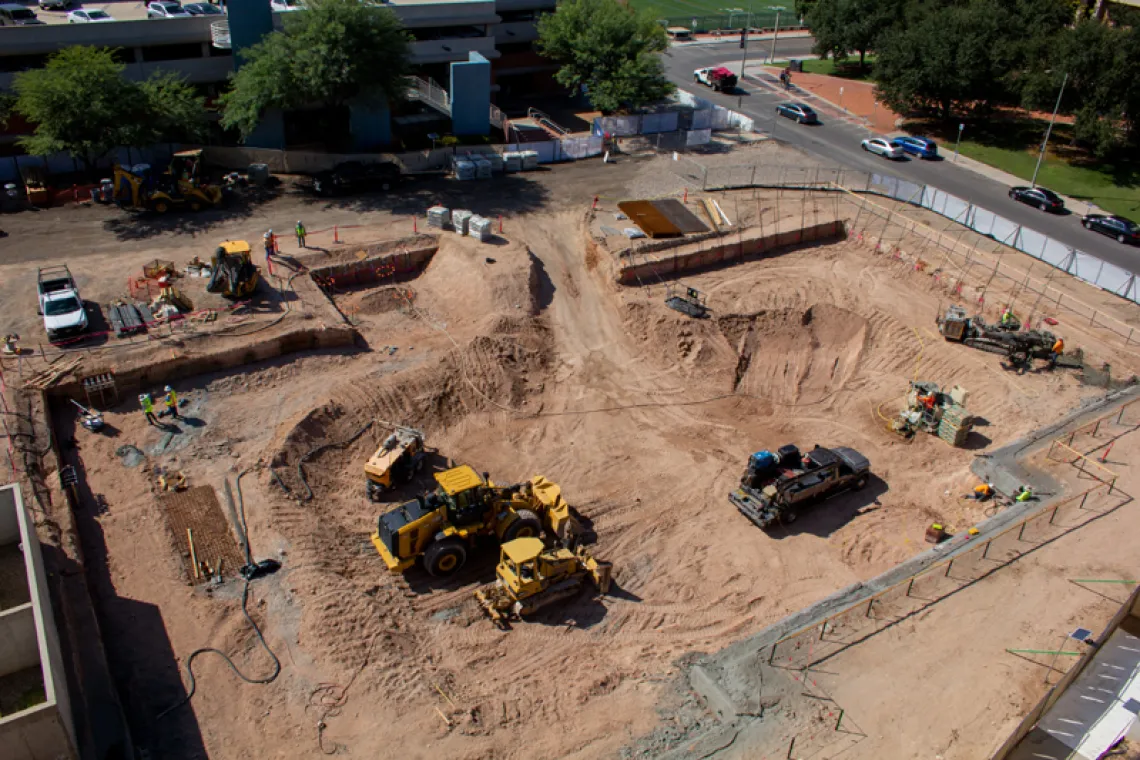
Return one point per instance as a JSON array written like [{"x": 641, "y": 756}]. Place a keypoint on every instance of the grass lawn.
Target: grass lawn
[
  {"x": 710, "y": 14},
  {"x": 848, "y": 69},
  {"x": 1012, "y": 146}
]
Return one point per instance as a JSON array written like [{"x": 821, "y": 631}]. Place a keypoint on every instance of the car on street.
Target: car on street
[
  {"x": 717, "y": 77},
  {"x": 54, "y": 5},
  {"x": 356, "y": 176},
  {"x": 1041, "y": 197},
  {"x": 923, "y": 147},
  {"x": 285, "y": 6},
  {"x": 798, "y": 112},
  {"x": 883, "y": 147},
  {"x": 93, "y": 16},
  {"x": 203, "y": 9},
  {"x": 166, "y": 9},
  {"x": 12, "y": 14},
  {"x": 1124, "y": 230}
]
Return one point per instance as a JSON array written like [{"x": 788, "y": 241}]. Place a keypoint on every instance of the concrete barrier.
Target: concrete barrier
[{"x": 722, "y": 251}]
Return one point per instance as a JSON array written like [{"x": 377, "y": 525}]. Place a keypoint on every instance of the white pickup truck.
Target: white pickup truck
[
  {"x": 60, "y": 305},
  {"x": 717, "y": 77}
]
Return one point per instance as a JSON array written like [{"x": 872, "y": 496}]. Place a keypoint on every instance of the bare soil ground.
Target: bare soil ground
[{"x": 522, "y": 358}]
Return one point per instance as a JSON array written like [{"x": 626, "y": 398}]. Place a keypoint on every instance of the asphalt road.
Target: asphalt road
[{"x": 837, "y": 141}]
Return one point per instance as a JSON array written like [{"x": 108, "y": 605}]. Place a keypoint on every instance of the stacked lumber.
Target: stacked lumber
[{"x": 49, "y": 376}]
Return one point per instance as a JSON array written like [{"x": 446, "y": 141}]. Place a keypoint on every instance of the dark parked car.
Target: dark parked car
[
  {"x": 1046, "y": 200},
  {"x": 354, "y": 176},
  {"x": 54, "y": 5},
  {"x": 202, "y": 9},
  {"x": 923, "y": 147},
  {"x": 1124, "y": 230},
  {"x": 799, "y": 112},
  {"x": 12, "y": 14}
]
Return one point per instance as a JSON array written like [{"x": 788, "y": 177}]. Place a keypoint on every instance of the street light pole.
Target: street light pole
[
  {"x": 744, "y": 58},
  {"x": 1049, "y": 130},
  {"x": 776, "y": 33},
  {"x": 959, "y": 141}
]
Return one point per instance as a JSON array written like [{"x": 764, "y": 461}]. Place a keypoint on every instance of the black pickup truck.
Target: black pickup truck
[{"x": 775, "y": 486}]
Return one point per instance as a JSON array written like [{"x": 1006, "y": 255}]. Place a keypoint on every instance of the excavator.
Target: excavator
[
  {"x": 440, "y": 528},
  {"x": 180, "y": 186},
  {"x": 233, "y": 273},
  {"x": 530, "y": 576}
]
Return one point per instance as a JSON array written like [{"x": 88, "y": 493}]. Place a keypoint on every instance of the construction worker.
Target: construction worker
[
  {"x": 300, "y": 234},
  {"x": 1056, "y": 352},
  {"x": 1023, "y": 494},
  {"x": 927, "y": 402},
  {"x": 984, "y": 492},
  {"x": 171, "y": 401},
  {"x": 267, "y": 239},
  {"x": 1008, "y": 318},
  {"x": 10, "y": 346},
  {"x": 147, "y": 404}
]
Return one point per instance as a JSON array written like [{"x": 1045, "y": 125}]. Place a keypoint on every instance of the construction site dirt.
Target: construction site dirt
[{"x": 521, "y": 356}]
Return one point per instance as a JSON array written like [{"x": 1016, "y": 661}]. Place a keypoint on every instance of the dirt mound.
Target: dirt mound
[
  {"x": 793, "y": 355},
  {"x": 468, "y": 280}
]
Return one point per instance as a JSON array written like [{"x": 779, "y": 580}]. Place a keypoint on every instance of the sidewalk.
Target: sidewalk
[{"x": 733, "y": 35}]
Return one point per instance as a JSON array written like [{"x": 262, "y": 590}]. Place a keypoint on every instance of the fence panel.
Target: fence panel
[
  {"x": 957, "y": 209},
  {"x": 581, "y": 147},
  {"x": 982, "y": 221},
  {"x": 1086, "y": 267},
  {"x": 652, "y": 123},
  {"x": 702, "y": 119},
  {"x": 1031, "y": 242},
  {"x": 1005, "y": 230},
  {"x": 698, "y": 137},
  {"x": 1114, "y": 278}
]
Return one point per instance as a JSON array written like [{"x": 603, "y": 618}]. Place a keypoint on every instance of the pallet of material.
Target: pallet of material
[{"x": 125, "y": 320}]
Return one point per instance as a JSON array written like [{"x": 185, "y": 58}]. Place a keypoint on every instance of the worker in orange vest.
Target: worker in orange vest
[{"x": 1056, "y": 353}]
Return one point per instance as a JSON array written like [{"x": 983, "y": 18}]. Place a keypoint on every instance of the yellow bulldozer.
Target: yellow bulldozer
[
  {"x": 180, "y": 187},
  {"x": 440, "y": 528},
  {"x": 531, "y": 576},
  {"x": 232, "y": 271}
]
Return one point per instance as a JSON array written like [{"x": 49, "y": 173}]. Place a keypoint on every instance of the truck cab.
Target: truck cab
[{"x": 59, "y": 303}]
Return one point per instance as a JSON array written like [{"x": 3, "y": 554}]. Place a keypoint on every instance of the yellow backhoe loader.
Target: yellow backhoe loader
[
  {"x": 232, "y": 271},
  {"x": 441, "y": 527},
  {"x": 180, "y": 186},
  {"x": 530, "y": 576}
]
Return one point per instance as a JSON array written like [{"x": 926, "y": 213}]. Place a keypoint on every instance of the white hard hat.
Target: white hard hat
[
  {"x": 168, "y": 389},
  {"x": 298, "y": 221}
]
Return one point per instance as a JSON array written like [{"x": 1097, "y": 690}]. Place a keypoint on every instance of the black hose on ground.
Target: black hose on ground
[
  {"x": 193, "y": 686},
  {"x": 323, "y": 447}
]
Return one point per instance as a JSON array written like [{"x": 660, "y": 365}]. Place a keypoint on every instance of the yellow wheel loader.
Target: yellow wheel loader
[
  {"x": 439, "y": 529},
  {"x": 531, "y": 576}
]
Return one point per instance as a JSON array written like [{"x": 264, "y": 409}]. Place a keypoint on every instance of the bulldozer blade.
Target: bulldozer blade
[{"x": 488, "y": 605}]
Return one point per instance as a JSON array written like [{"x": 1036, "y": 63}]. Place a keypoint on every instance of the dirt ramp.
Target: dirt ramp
[{"x": 795, "y": 355}]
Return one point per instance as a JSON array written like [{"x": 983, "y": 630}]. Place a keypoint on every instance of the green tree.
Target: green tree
[
  {"x": 335, "y": 52},
  {"x": 954, "y": 57},
  {"x": 609, "y": 49},
  {"x": 81, "y": 103},
  {"x": 841, "y": 27}
]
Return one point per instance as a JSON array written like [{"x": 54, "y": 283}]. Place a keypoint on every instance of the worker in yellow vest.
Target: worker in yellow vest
[
  {"x": 171, "y": 401},
  {"x": 147, "y": 404}
]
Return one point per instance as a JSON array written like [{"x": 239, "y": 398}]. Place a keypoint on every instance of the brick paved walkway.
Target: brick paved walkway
[{"x": 858, "y": 98}]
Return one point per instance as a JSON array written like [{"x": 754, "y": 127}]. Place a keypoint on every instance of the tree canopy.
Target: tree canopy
[
  {"x": 841, "y": 27},
  {"x": 334, "y": 52},
  {"x": 608, "y": 49},
  {"x": 952, "y": 55},
  {"x": 81, "y": 102}
]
